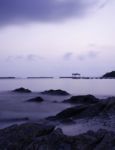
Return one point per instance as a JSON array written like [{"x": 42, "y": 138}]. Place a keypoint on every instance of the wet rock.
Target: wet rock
[
  {"x": 85, "y": 99},
  {"x": 22, "y": 90},
  {"x": 36, "y": 99},
  {"x": 43, "y": 137},
  {"x": 84, "y": 111},
  {"x": 99, "y": 140},
  {"x": 56, "y": 92},
  {"x": 20, "y": 136},
  {"x": 68, "y": 113},
  {"x": 54, "y": 141},
  {"x": 110, "y": 105}
]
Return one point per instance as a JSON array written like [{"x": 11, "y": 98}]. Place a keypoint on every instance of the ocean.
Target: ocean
[
  {"x": 14, "y": 108},
  {"x": 100, "y": 87}
]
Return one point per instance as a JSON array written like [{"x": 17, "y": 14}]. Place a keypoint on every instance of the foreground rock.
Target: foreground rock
[
  {"x": 22, "y": 90},
  {"x": 56, "y": 92},
  {"x": 85, "y": 99},
  {"x": 43, "y": 137},
  {"x": 36, "y": 100}
]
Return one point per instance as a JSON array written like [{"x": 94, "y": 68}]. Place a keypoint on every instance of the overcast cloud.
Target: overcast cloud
[{"x": 17, "y": 11}]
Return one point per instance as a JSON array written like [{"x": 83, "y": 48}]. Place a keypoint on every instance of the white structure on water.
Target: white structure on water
[{"x": 75, "y": 75}]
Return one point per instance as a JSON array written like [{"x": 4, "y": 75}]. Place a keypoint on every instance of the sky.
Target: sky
[{"x": 56, "y": 37}]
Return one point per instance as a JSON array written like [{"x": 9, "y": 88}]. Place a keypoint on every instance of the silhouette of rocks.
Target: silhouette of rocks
[
  {"x": 98, "y": 109},
  {"x": 36, "y": 99},
  {"x": 68, "y": 113},
  {"x": 22, "y": 90},
  {"x": 85, "y": 99},
  {"x": 43, "y": 137},
  {"x": 109, "y": 75},
  {"x": 56, "y": 92}
]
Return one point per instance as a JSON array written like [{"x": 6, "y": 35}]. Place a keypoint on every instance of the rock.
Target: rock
[
  {"x": 84, "y": 111},
  {"x": 68, "y": 113},
  {"x": 42, "y": 137},
  {"x": 56, "y": 92},
  {"x": 109, "y": 75},
  {"x": 20, "y": 136},
  {"x": 36, "y": 99},
  {"x": 22, "y": 90},
  {"x": 110, "y": 105},
  {"x": 99, "y": 140},
  {"x": 68, "y": 121},
  {"x": 86, "y": 99},
  {"x": 56, "y": 140}
]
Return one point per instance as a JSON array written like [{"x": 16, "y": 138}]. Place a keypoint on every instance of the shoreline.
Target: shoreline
[{"x": 71, "y": 117}]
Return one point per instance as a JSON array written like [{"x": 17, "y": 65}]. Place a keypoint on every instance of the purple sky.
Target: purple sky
[{"x": 56, "y": 37}]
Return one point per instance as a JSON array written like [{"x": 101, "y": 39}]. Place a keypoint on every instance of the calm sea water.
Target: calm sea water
[
  {"x": 104, "y": 87},
  {"x": 14, "y": 108}
]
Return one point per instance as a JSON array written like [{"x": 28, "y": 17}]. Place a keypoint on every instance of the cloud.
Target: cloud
[
  {"x": 29, "y": 57},
  {"x": 67, "y": 56},
  {"x": 104, "y": 4},
  {"x": 32, "y": 57},
  {"x": 89, "y": 55},
  {"x": 18, "y": 11}
]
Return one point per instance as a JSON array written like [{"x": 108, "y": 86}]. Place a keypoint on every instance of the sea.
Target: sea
[{"x": 14, "y": 108}]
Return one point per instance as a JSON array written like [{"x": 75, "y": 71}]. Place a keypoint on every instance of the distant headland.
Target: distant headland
[
  {"x": 109, "y": 75},
  {"x": 7, "y": 77},
  {"x": 40, "y": 77}
]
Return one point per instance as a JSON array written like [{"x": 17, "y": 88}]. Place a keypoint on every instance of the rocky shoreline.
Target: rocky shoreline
[
  {"x": 48, "y": 135},
  {"x": 33, "y": 136}
]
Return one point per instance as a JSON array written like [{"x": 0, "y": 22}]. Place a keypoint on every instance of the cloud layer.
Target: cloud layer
[{"x": 42, "y": 10}]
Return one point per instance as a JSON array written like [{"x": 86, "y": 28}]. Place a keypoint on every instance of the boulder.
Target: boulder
[
  {"x": 56, "y": 92},
  {"x": 99, "y": 109},
  {"x": 42, "y": 137},
  {"x": 85, "y": 99},
  {"x": 68, "y": 113},
  {"x": 110, "y": 105},
  {"x": 20, "y": 136},
  {"x": 36, "y": 100},
  {"x": 22, "y": 90}
]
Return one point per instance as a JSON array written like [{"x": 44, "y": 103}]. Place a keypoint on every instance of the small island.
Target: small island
[{"x": 109, "y": 75}]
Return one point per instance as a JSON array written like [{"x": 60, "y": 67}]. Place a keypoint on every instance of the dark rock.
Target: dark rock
[
  {"x": 68, "y": 121},
  {"x": 99, "y": 140},
  {"x": 36, "y": 99},
  {"x": 86, "y": 99},
  {"x": 109, "y": 75},
  {"x": 43, "y": 137},
  {"x": 99, "y": 109},
  {"x": 110, "y": 105},
  {"x": 20, "y": 136},
  {"x": 22, "y": 90},
  {"x": 56, "y": 92},
  {"x": 68, "y": 113}
]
